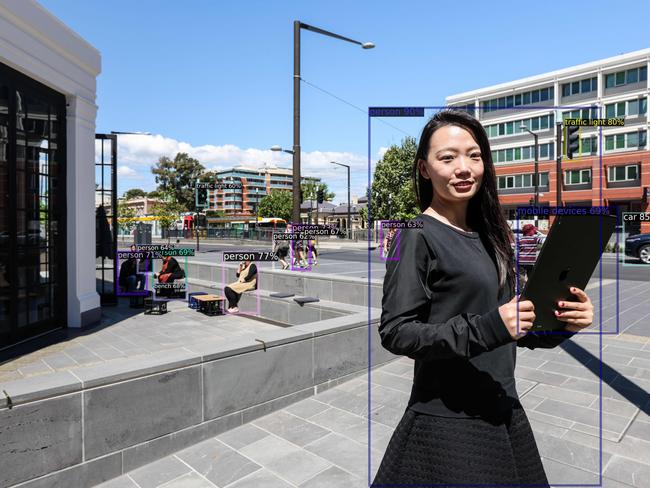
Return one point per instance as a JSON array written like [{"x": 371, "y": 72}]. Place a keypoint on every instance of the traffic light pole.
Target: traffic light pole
[{"x": 558, "y": 164}]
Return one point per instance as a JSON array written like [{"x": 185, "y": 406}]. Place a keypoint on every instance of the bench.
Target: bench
[
  {"x": 191, "y": 301},
  {"x": 156, "y": 307},
  {"x": 210, "y": 304}
]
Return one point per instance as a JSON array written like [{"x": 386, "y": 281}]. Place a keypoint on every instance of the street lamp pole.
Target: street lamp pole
[
  {"x": 349, "y": 232},
  {"x": 536, "y": 172},
  {"x": 536, "y": 175},
  {"x": 297, "y": 25}
]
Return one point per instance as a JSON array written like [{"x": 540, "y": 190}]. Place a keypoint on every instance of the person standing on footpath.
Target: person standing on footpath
[
  {"x": 449, "y": 304},
  {"x": 529, "y": 245}
]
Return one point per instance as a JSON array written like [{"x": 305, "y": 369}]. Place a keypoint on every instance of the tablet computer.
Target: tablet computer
[{"x": 568, "y": 258}]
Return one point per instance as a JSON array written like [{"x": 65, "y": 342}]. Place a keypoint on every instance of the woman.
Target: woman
[
  {"x": 448, "y": 304},
  {"x": 170, "y": 271},
  {"x": 246, "y": 281}
]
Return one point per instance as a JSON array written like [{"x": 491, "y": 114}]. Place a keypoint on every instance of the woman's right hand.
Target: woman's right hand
[{"x": 518, "y": 327}]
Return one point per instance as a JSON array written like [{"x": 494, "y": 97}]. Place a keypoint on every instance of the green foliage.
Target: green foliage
[
  {"x": 125, "y": 212},
  {"x": 393, "y": 194},
  {"x": 168, "y": 213},
  {"x": 278, "y": 203},
  {"x": 310, "y": 190},
  {"x": 134, "y": 193},
  {"x": 363, "y": 214},
  {"x": 176, "y": 179},
  {"x": 155, "y": 194}
]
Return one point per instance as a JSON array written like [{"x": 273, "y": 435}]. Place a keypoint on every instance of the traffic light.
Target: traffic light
[
  {"x": 202, "y": 198},
  {"x": 572, "y": 140},
  {"x": 320, "y": 196}
]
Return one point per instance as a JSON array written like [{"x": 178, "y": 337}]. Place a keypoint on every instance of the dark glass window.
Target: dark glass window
[
  {"x": 609, "y": 81},
  {"x": 32, "y": 205},
  {"x": 527, "y": 98},
  {"x": 585, "y": 85},
  {"x": 535, "y": 96},
  {"x": 575, "y": 87},
  {"x": 632, "y": 75},
  {"x": 566, "y": 90}
]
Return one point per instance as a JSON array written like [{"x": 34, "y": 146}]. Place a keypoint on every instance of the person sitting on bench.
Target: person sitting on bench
[
  {"x": 246, "y": 281},
  {"x": 130, "y": 280},
  {"x": 169, "y": 272}
]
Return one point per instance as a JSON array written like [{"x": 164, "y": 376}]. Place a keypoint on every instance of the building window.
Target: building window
[
  {"x": 588, "y": 145},
  {"x": 623, "y": 173},
  {"x": 629, "y": 140},
  {"x": 543, "y": 122},
  {"x": 621, "y": 78},
  {"x": 525, "y": 180},
  {"x": 628, "y": 108},
  {"x": 525, "y": 153},
  {"x": 526, "y": 98},
  {"x": 577, "y": 176},
  {"x": 585, "y": 113},
  {"x": 583, "y": 86}
]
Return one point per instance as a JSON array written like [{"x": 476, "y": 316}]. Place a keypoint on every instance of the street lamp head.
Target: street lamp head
[
  {"x": 523, "y": 127},
  {"x": 276, "y": 148},
  {"x": 367, "y": 45}
]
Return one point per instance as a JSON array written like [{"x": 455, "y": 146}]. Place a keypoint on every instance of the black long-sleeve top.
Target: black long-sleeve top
[{"x": 440, "y": 308}]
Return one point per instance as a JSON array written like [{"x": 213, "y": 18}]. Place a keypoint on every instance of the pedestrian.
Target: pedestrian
[
  {"x": 448, "y": 304},
  {"x": 281, "y": 250},
  {"x": 129, "y": 279},
  {"x": 528, "y": 244},
  {"x": 246, "y": 281},
  {"x": 388, "y": 240},
  {"x": 314, "y": 250}
]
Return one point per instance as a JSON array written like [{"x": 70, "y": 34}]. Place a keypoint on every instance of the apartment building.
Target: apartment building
[
  {"x": 612, "y": 166},
  {"x": 256, "y": 183}
]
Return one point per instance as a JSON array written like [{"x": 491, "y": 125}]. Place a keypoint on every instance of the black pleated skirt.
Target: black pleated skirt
[{"x": 426, "y": 450}]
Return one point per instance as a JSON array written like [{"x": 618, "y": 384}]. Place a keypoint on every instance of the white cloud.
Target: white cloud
[
  {"x": 137, "y": 154},
  {"x": 126, "y": 172},
  {"x": 382, "y": 150}
]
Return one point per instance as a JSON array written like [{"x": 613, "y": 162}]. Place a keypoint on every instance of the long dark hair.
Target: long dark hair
[{"x": 484, "y": 212}]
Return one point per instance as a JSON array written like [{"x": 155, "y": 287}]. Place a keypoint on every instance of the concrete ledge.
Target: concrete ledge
[{"x": 104, "y": 420}]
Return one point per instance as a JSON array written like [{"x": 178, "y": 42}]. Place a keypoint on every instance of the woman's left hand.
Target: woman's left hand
[{"x": 577, "y": 315}]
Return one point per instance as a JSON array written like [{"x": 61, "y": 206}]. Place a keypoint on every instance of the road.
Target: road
[{"x": 353, "y": 262}]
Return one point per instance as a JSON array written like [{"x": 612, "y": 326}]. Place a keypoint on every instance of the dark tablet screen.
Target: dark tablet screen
[{"x": 568, "y": 258}]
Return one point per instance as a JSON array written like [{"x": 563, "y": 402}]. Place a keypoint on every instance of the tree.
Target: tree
[
  {"x": 176, "y": 179},
  {"x": 168, "y": 213},
  {"x": 363, "y": 215},
  {"x": 310, "y": 190},
  {"x": 126, "y": 216},
  {"x": 155, "y": 194},
  {"x": 278, "y": 203},
  {"x": 134, "y": 193},
  {"x": 393, "y": 194}
]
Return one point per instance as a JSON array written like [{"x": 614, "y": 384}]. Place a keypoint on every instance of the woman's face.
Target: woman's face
[{"x": 454, "y": 164}]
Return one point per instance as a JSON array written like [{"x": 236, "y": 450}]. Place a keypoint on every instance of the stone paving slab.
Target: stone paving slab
[{"x": 322, "y": 441}]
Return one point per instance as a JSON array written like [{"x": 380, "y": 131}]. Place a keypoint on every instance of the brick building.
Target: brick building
[{"x": 615, "y": 87}]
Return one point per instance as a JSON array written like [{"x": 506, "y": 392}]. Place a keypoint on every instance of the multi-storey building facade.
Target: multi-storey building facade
[
  {"x": 615, "y": 87},
  {"x": 256, "y": 184}
]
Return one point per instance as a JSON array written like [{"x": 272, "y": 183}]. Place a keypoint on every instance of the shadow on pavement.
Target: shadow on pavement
[{"x": 619, "y": 383}]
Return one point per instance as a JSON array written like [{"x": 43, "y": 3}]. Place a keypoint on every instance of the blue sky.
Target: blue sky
[{"x": 215, "y": 77}]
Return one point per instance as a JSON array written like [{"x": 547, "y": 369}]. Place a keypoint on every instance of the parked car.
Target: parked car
[{"x": 638, "y": 246}]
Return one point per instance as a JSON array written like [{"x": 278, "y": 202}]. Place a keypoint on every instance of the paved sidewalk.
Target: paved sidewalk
[
  {"x": 322, "y": 441},
  {"x": 126, "y": 333}
]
